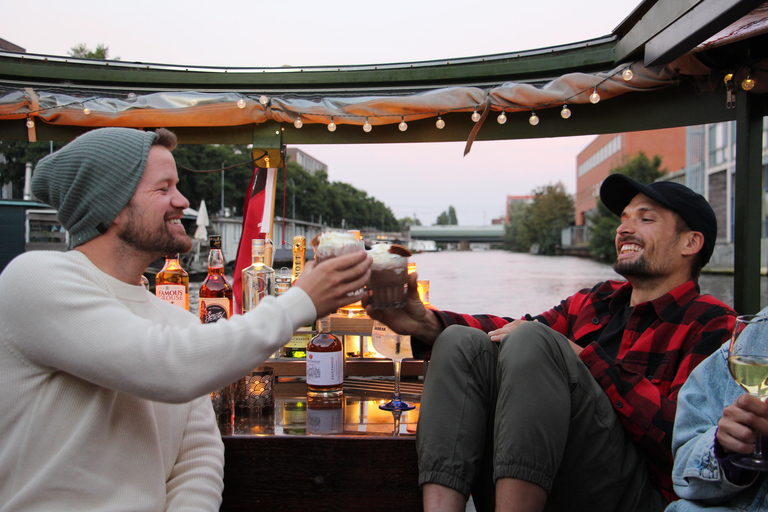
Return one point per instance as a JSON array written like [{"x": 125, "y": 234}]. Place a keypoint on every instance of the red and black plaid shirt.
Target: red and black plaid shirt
[{"x": 662, "y": 343}]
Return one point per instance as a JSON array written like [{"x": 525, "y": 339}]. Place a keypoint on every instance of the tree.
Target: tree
[
  {"x": 540, "y": 222},
  {"x": 407, "y": 222},
  {"x": 81, "y": 51},
  {"x": 448, "y": 218},
  {"x": 602, "y": 233}
]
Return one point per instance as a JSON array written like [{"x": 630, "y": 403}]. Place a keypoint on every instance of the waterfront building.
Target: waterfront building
[
  {"x": 608, "y": 151},
  {"x": 307, "y": 161}
]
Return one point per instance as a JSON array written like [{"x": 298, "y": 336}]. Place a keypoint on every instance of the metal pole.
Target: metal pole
[
  {"x": 222, "y": 189},
  {"x": 748, "y": 207}
]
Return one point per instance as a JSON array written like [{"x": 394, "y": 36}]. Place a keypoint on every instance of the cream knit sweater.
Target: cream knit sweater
[{"x": 103, "y": 388}]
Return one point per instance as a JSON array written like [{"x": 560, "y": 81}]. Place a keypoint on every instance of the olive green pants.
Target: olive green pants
[{"x": 529, "y": 409}]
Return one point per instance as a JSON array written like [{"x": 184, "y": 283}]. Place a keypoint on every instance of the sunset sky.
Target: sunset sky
[{"x": 412, "y": 179}]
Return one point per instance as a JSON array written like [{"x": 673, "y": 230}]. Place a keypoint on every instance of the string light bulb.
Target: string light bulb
[
  {"x": 594, "y": 97},
  {"x": 439, "y": 123},
  {"x": 503, "y": 116},
  {"x": 30, "y": 122},
  {"x": 475, "y": 116},
  {"x": 298, "y": 123},
  {"x": 748, "y": 83},
  {"x": 627, "y": 74},
  {"x": 241, "y": 103},
  {"x": 534, "y": 119},
  {"x": 367, "y": 126},
  {"x": 403, "y": 125},
  {"x": 566, "y": 112},
  {"x": 86, "y": 111},
  {"x": 263, "y": 99},
  {"x": 332, "y": 126}
]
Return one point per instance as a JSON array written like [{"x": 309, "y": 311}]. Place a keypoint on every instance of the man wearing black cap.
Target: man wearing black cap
[{"x": 572, "y": 409}]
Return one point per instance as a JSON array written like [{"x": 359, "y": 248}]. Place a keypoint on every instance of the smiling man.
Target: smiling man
[
  {"x": 104, "y": 402},
  {"x": 572, "y": 409}
]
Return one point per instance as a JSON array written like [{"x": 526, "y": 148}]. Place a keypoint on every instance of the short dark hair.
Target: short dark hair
[{"x": 165, "y": 138}]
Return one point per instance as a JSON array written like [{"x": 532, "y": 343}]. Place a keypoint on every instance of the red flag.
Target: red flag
[{"x": 257, "y": 219}]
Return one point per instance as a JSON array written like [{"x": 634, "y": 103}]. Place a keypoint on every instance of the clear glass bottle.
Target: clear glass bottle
[
  {"x": 258, "y": 279},
  {"x": 172, "y": 282},
  {"x": 297, "y": 347},
  {"x": 325, "y": 362},
  {"x": 215, "y": 292}
]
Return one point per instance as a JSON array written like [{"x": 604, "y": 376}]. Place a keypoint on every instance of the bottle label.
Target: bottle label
[
  {"x": 325, "y": 368},
  {"x": 213, "y": 309},
  {"x": 299, "y": 340},
  {"x": 173, "y": 293}
]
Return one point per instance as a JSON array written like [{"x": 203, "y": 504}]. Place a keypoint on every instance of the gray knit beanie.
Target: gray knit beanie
[{"x": 92, "y": 178}]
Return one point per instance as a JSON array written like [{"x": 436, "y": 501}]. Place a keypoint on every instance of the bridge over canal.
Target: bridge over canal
[{"x": 463, "y": 235}]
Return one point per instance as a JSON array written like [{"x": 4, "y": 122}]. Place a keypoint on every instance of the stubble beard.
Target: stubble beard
[{"x": 159, "y": 241}]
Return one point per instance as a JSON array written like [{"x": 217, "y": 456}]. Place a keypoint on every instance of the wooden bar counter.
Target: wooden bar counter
[{"x": 302, "y": 455}]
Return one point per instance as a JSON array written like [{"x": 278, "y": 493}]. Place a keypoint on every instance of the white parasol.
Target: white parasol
[{"x": 201, "y": 233}]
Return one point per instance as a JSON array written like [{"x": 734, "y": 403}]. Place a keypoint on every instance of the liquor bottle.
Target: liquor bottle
[
  {"x": 215, "y": 292},
  {"x": 325, "y": 415},
  {"x": 172, "y": 282},
  {"x": 258, "y": 279},
  {"x": 297, "y": 347},
  {"x": 325, "y": 362}
]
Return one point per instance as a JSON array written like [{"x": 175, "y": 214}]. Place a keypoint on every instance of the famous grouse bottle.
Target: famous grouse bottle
[{"x": 172, "y": 282}]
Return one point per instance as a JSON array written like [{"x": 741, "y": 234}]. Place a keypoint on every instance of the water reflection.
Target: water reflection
[{"x": 512, "y": 284}]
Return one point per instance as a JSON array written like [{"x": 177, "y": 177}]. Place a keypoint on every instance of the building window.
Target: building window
[{"x": 718, "y": 143}]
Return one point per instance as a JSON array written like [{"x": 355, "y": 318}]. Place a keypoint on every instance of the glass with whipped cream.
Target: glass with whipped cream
[
  {"x": 330, "y": 244},
  {"x": 388, "y": 284}
]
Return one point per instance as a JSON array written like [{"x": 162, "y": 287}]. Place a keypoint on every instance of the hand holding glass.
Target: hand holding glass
[
  {"x": 748, "y": 364},
  {"x": 396, "y": 347}
]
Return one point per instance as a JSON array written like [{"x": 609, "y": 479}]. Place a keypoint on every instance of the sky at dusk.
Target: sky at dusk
[{"x": 412, "y": 179}]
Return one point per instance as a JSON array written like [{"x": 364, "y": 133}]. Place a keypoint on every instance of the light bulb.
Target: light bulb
[
  {"x": 403, "y": 126},
  {"x": 297, "y": 123},
  {"x": 566, "y": 112},
  {"x": 534, "y": 119},
  {"x": 594, "y": 97},
  {"x": 131, "y": 95},
  {"x": 241, "y": 103},
  {"x": 440, "y": 123},
  {"x": 367, "y": 126},
  {"x": 502, "y": 117},
  {"x": 627, "y": 75},
  {"x": 332, "y": 126},
  {"x": 30, "y": 123},
  {"x": 475, "y": 116},
  {"x": 86, "y": 111},
  {"x": 263, "y": 100},
  {"x": 727, "y": 78},
  {"x": 748, "y": 83}
]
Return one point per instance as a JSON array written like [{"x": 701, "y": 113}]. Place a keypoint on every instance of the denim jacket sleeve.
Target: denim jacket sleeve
[{"x": 709, "y": 389}]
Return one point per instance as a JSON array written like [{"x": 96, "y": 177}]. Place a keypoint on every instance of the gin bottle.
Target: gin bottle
[{"x": 258, "y": 279}]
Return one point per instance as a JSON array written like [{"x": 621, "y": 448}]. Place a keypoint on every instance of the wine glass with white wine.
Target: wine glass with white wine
[
  {"x": 748, "y": 364},
  {"x": 396, "y": 347}
]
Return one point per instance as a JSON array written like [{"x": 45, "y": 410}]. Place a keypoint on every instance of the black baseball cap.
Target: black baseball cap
[{"x": 618, "y": 190}]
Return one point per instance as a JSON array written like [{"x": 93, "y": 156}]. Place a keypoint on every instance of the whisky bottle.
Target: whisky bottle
[
  {"x": 297, "y": 347},
  {"x": 172, "y": 282},
  {"x": 215, "y": 292},
  {"x": 258, "y": 279},
  {"x": 325, "y": 362}
]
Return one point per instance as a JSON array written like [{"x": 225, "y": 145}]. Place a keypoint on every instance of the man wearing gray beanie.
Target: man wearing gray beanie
[{"x": 105, "y": 387}]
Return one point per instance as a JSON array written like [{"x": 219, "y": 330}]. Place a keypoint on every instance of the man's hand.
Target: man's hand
[
  {"x": 413, "y": 320},
  {"x": 502, "y": 331},
  {"x": 736, "y": 428},
  {"x": 328, "y": 283}
]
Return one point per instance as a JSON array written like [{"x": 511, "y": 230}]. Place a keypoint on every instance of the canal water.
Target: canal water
[{"x": 512, "y": 284}]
